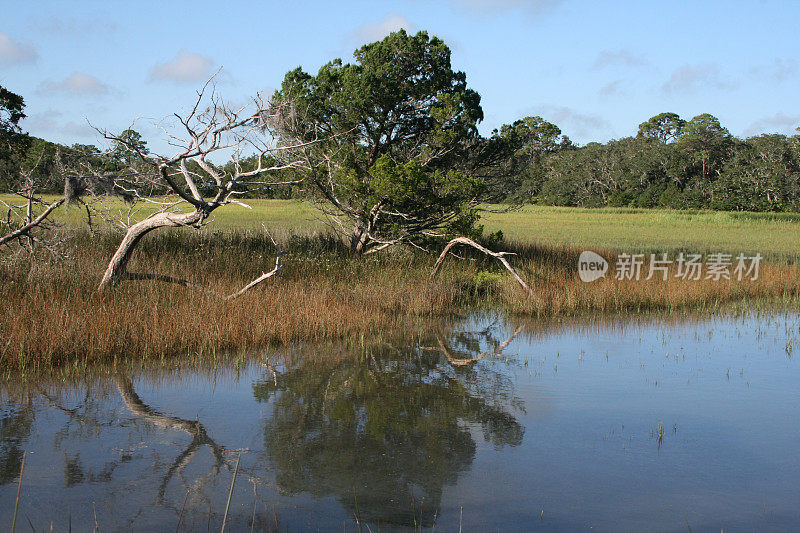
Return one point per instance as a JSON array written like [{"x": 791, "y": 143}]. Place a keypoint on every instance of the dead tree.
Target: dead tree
[
  {"x": 194, "y": 185},
  {"x": 28, "y": 222}
]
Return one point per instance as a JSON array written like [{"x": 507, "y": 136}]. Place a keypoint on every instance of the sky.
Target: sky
[{"x": 594, "y": 68}]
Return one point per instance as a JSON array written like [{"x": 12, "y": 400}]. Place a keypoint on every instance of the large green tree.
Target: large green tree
[
  {"x": 390, "y": 142},
  {"x": 664, "y": 127},
  {"x": 708, "y": 143}
]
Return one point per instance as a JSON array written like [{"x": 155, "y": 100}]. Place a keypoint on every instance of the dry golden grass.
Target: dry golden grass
[{"x": 51, "y": 313}]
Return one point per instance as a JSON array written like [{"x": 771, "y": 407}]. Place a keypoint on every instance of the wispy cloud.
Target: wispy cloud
[
  {"x": 76, "y": 84},
  {"x": 51, "y": 122},
  {"x": 374, "y": 31},
  {"x": 572, "y": 121},
  {"x": 15, "y": 52},
  {"x": 778, "y": 71},
  {"x": 65, "y": 25},
  {"x": 778, "y": 122},
  {"x": 615, "y": 88},
  {"x": 625, "y": 58},
  {"x": 186, "y": 67},
  {"x": 531, "y": 7},
  {"x": 690, "y": 78}
]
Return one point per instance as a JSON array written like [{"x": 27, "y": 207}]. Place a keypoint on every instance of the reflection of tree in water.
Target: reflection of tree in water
[
  {"x": 90, "y": 419},
  {"x": 194, "y": 428},
  {"x": 86, "y": 420},
  {"x": 16, "y": 420},
  {"x": 386, "y": 432}
]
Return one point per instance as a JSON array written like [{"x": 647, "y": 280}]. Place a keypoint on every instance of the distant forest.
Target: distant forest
[{"x": 670, "y": 162}]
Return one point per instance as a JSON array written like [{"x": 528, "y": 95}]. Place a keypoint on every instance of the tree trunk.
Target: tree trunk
[
  {"x": 358, "y": 241},
  {"x": 117, "y": 267}
]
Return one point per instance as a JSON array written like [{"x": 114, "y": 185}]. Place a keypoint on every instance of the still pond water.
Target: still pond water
[{"x": 480, "y": 425}]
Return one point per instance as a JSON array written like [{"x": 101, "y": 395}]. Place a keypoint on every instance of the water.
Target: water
[{"x": 553, "y": 427}]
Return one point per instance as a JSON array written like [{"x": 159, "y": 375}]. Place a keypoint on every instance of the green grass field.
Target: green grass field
[{"x": 775, "y": 235}]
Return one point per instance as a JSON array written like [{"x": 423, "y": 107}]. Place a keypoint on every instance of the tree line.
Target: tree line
[{"x": 673, "y": 163}]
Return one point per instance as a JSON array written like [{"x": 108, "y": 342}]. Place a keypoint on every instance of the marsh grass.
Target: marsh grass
[
  {"x": 774, "y": 235},
  {"x": 52, "y": 315}
]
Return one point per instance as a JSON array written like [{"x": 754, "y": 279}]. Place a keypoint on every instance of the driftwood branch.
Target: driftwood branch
[
  {"x": 500, "y": 256},
  {"x": 146, "y": 276},
  {"x": 262, "y": 277}
]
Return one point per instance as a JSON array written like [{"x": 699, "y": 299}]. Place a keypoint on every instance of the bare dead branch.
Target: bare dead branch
[
  {"x": 210, "y": 128},
  {"x": 25, "y": 230},
  {"x": 261, "y": 278},
  {"x": 500, "y": 256}
]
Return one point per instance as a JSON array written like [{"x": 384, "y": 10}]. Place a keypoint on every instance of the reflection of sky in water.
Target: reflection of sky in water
[{"x": 554, "y": 425}]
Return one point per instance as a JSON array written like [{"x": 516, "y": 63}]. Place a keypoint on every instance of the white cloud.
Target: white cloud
[
  {"x": 77, "y": 84},
  {"x": 15, "y": 52},
  {"x": 620, "y": 57},
  {"x": 690, "y": 78},
  {"x": 778, "y": 122},
  {"x": 185, "y": 67},
  {"x": 375, "y": 31}
]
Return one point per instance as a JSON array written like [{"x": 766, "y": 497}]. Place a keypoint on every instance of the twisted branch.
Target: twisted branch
[{"x": 500, "y": 256}]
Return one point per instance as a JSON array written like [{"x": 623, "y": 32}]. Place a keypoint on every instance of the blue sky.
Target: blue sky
[{"x": 596, "y": 69}]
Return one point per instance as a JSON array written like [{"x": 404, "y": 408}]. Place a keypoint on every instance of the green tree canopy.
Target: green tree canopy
[
  {"x": 665, "y": 127},
  {"x": 707, "y": 141},
  {"x": 390, "y": 142},
  {"x": 126, "y": 149},
  {"x": 13, "y": 143},
  {"x": 12, "y": 110},
  {"x": 522, "y": 148}
]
